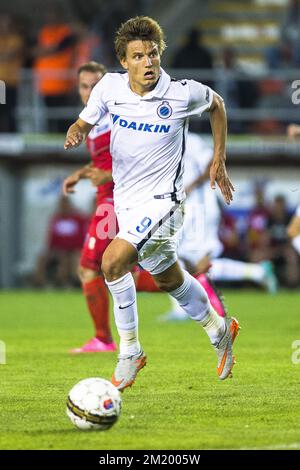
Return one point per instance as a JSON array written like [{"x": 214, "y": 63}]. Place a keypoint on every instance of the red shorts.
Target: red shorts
[{"x": 102, "y": 230}]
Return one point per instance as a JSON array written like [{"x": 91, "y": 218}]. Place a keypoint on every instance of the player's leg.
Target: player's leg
[
  {"x": 193, "y": 256},
  {"x": 193, "y": 299},
  {"x": 190, "y": 295},
  {"x": 177, "y": 313},
  {"x": 97, "y": 300},
  {"x": 93, "y": 284},
  {"x": 117, "y": 263},
  {"x": 225, "y": 269},
  {"x": 40, "y": 275},
  {"x": 63, "y": 273}
]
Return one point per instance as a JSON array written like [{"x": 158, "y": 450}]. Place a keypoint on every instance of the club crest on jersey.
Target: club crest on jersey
[{"x": 164, "y": 110}]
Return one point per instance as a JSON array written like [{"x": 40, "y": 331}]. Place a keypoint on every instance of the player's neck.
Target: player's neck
[{"x": 140, "y": 89}]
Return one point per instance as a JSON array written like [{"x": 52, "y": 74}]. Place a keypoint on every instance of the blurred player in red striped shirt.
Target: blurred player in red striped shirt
[{"x": 103, "y": 225}]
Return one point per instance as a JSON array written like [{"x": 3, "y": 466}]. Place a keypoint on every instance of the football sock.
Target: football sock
[
  {"x": 214, "y": 325},
  {"x": 296, "y": 244},
  {"x": 97, "y": 299},
  {"x": 224, "y": 269},
  {"x": 212, "y": 294},
  {"x": 193, "y": 299},
  {"x": 125, "y": 310}
]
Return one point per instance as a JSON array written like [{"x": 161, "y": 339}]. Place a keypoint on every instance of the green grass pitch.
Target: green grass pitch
[{"x": 177, "y": 401}]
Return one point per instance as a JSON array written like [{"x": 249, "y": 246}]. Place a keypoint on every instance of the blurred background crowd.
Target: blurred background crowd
[
  {"x": 253, "y": 236},
  {"x": 242, "y": 48},
  {"x": 248, "y": 51}
]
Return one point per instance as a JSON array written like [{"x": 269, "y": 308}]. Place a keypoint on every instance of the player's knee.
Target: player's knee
[
  {"x": 85, "y": 274},
  {"x": 112, "y": 267}
]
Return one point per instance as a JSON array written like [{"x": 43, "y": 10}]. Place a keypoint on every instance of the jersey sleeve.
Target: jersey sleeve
[
  {"x": 96, "y": 108},
  {"x": 200, "y": 98}
]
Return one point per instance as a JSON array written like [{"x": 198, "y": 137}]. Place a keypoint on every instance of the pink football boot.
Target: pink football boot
[{"x": 95, "y": 345}]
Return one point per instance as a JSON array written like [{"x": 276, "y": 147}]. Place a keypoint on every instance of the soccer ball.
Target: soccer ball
[{"x": 94, "y": 403}]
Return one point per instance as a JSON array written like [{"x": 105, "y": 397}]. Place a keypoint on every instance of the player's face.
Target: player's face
[
  {"x": 142, "y": 62},
  {"x": 86, "y": 82}
]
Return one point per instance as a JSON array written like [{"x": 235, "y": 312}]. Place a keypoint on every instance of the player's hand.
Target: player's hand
[
  {"x": 98, "y": 176},
  {"x": 69, "y": 183},
  {"x": 73, "y": 139},
  {"x": 218, "y": 174},
  {"x": 293, "y": 130}
]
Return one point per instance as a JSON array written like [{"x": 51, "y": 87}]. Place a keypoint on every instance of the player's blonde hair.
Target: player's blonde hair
[
  {"x": 141, "y": 28},
  {"x": 93, "y": 67}
]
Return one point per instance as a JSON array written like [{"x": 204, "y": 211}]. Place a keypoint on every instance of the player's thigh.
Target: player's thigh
[
  {"x": 151, "y": 229},
  {"x": 98, "y": 237}
]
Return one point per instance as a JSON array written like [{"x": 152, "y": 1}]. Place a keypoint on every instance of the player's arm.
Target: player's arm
[
  {"x": 199, "y": 181},
  {"x": 70, "y": 182},
  {"x": 77, "y": 132},
  {"x": 98, "y": 177},
  {"x": 218, "y": 172},
  {"x": 293, "y": 130},
  {"x": 95, "y": 109}
]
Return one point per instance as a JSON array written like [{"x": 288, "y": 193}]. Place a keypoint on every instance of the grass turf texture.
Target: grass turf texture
[{"x": 177, "y": 401}]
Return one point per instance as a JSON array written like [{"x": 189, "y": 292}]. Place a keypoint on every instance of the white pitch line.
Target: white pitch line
[{"x": 294, "y": 445}]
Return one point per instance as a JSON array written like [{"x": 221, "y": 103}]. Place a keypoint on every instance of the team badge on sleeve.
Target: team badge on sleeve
[{"x": 164, "y": 110}]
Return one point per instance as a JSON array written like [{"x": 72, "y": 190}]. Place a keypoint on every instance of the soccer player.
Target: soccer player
[
  {"x": 100, "y": 174},
  {"x": 199, "y": 247},
  {"x": 149, "y": 113},
  {"x": 208, "y": 248}
]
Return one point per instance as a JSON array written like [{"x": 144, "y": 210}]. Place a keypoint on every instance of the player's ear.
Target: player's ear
[{"x": 124, "y": 63}]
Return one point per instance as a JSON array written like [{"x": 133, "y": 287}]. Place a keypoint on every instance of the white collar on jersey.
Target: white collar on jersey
[{"x": 160, "y": 89}]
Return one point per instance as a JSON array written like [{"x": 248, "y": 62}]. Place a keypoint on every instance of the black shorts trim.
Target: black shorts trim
[{"x": 157, "y": 226}]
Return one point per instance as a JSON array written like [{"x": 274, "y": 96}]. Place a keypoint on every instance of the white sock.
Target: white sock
[
  {"x": 193, "y": 299},
  {"x": 296, "y": 243},
  {"x": 123, "y": 292},
  {"x": 224, "y": 269}
]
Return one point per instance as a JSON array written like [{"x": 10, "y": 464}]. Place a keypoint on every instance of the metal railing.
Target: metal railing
[{"x": 282, "y": 105}]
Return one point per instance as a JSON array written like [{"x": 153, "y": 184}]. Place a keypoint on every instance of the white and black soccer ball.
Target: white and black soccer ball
[{"x": 94, "y": 403}]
